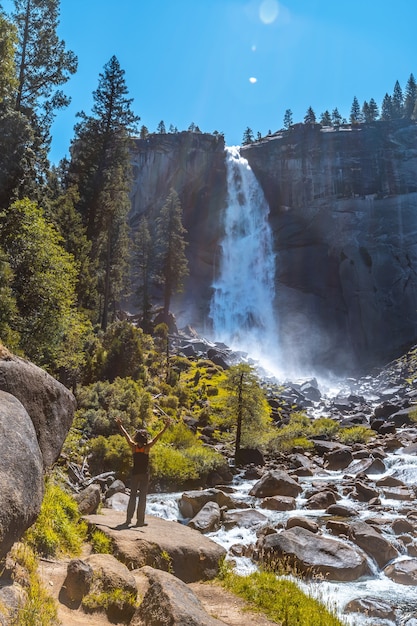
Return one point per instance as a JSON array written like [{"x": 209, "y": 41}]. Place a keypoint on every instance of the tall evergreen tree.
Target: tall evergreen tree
[
  {"x": 287, "y": 118},
  {"x": 247, "y": 407},
  {"x": 336, "y": 118},
  {"x": 355, "y": 112},
  {"x": 161, "y": 128},
  {"x": 171, "y": 244},
  {"x": 310, "y": 116},
  {"x": 42, "y": 62},
  {"x": 143, "y": 262},
  {"x": 386, "y": 108},
  {"x": 101, "y": 168},
  {"x": 325, "y": 119},
  {"x": 410, "y": 97},
  {"x": 373, "y": 110},
  {"x": 397, "y": 101},
  {"x": 248, "y": 136}
]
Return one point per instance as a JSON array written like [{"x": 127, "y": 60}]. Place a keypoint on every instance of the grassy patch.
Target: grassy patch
[
  {"x": 39, "y": 608},
  {"x": 280, "y": 600},
  {"x": 58, "y": 528},
  {"x": 355, "y": 434},
  {"x": 101, "y": 543}
]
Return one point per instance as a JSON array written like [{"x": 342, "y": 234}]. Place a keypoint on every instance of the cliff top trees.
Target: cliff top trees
[
  {"x": 101, "y": 168},
  {"x": 247, "y": 136},
  {"x": 310, "y": 116}
]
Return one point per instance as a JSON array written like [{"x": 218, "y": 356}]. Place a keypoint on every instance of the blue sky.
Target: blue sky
[{"x": 229, "y": 64}]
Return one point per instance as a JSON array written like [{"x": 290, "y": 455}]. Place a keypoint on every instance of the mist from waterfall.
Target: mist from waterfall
[{"x": 242, "y": 306}]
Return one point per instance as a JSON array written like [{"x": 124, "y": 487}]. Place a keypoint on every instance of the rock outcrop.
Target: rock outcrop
[{"x": 36, "y": 412}]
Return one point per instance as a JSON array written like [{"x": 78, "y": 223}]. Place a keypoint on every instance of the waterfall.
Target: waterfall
[{"x": 242, "y": 306}]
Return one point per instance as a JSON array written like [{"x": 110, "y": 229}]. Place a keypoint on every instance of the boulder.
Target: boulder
[
  {"x": 77, "y": 582},
  {"x": 88, "y": 499},
  {"x": 279, "y": 503},
  {"x": 403, "y": 572},
  {"x": 372, "y": 542},
  {"x": 313, "y": 554},
  {"x": 371, "y": 607},
  {"x": 276, "y": 483},
  {"x": 207, "y": 519},
  {"x": 340, "y": 510},
  {"x": 338, "y": 459},
  {"x": 321, "y": 500},
  {"x": 247, "y": 518},
  {"x": 191, "y": 502},
  {"x": 49, "y": 404},
  {"x": 303, "y": 522},
  {"x": 21, "y": 472},
  {"x": 167, "y": 600},
  {"x": 185, "y": 552}
]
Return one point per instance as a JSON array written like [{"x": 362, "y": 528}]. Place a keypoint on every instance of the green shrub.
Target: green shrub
[
  {"x": 324, "y": 426},
  {"x": 58, "y": 528},
  {"x": 292, "y": 434},
  {"x": 109, "y": 454},
  {"x": 280, "y": 599},
  {"x": 355, "y": 434}
]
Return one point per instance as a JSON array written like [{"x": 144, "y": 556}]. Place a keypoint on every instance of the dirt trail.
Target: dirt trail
[{"x": 217, "y": 601}]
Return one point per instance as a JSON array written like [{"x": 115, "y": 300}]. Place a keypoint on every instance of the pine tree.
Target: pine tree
[
  {"x": 42, "y": 63},
  {"x": 373, "y": 110},
  {"x": 336, "y": 118},
  {"x": 101, "y": 168},
  {"x": 161, "y": 128},
  {"x": 397, "y": 101},
  {"x": 310, "y": 116},
  {"x": 143, "y": 262},
  {"x": 171, "y": 244},
  {"x": 287, "y": 118},
  {"x": 247, "y": 136},
  {"x": 247, "y": 406},
  {"x": 325, "y": 119},
  {"x": 355, "y": 112},
  {"x": 386, "y": 108},
  {"x": 410, "y": 97},
  {"x": 144, "y": 132}
]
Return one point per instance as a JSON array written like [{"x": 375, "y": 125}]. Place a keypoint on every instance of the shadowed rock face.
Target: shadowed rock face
[{"x": 344, "y": 219}]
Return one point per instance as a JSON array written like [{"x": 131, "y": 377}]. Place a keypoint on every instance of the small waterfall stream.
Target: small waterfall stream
[{"x": 242, "y": 307}]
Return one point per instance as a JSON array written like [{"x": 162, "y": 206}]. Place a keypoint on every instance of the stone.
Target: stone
[
  {"x": 77, "y": 582},
  {"x": 311, "y": 553},
  {"x": 402, "y": 572},
  {"x": 207, "y": 519},
  {"x": 48, "y": 403},
  {"x": 88, "y": 499},
  {"x": 303, "y": 522},
  {"x": 279, "y": 503},
  {"x": 167, "y": 600},
  {"x": 247, "y": 518},
  {"x": 341, "y": 510},
  {"x": 372, "y": 542},
  {"x": 371, "y": 607},
  {"x": 276, "y": 483},
  {"x": 191, "y": 502},
  {"x": 185, "y": 552},
  {"x": 110, "y": 574},
  {"x": 338, "y": 459},
  {"x": 321, "y": 500},
  {"x": 21, "y": 472}
]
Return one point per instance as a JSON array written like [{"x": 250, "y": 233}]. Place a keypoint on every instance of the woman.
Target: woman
[{"x": 140, "y": 474}]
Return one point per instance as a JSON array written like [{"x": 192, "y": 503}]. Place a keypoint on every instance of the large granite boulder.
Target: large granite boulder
[
  {"x": 276, "y": 483},
  {"x": 312, "y": 554},
  {"x": 168, "y": 600},
  {"x": 21, "y": 472},
  {"x": 170, "y": 546},
  {"x": 49, "y": 404},
  {"x": 372, "y": 542}
]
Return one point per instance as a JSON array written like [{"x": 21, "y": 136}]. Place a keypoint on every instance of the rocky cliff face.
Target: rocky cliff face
[
  {"x": 344, "y": 219},
  {"x": 194, "y": 165}
]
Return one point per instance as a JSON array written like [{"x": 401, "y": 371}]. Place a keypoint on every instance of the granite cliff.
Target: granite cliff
[{"x": 343, "y": 211}]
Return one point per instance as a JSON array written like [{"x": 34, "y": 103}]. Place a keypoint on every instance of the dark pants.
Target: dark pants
[{"x": 139, "y": 484}]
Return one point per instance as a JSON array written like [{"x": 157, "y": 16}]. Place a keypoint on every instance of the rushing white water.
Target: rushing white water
[{"x": 242, "y": 307}]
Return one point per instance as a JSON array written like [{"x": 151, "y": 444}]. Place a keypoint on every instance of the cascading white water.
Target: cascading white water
[{"x": 242, "y": 306}]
